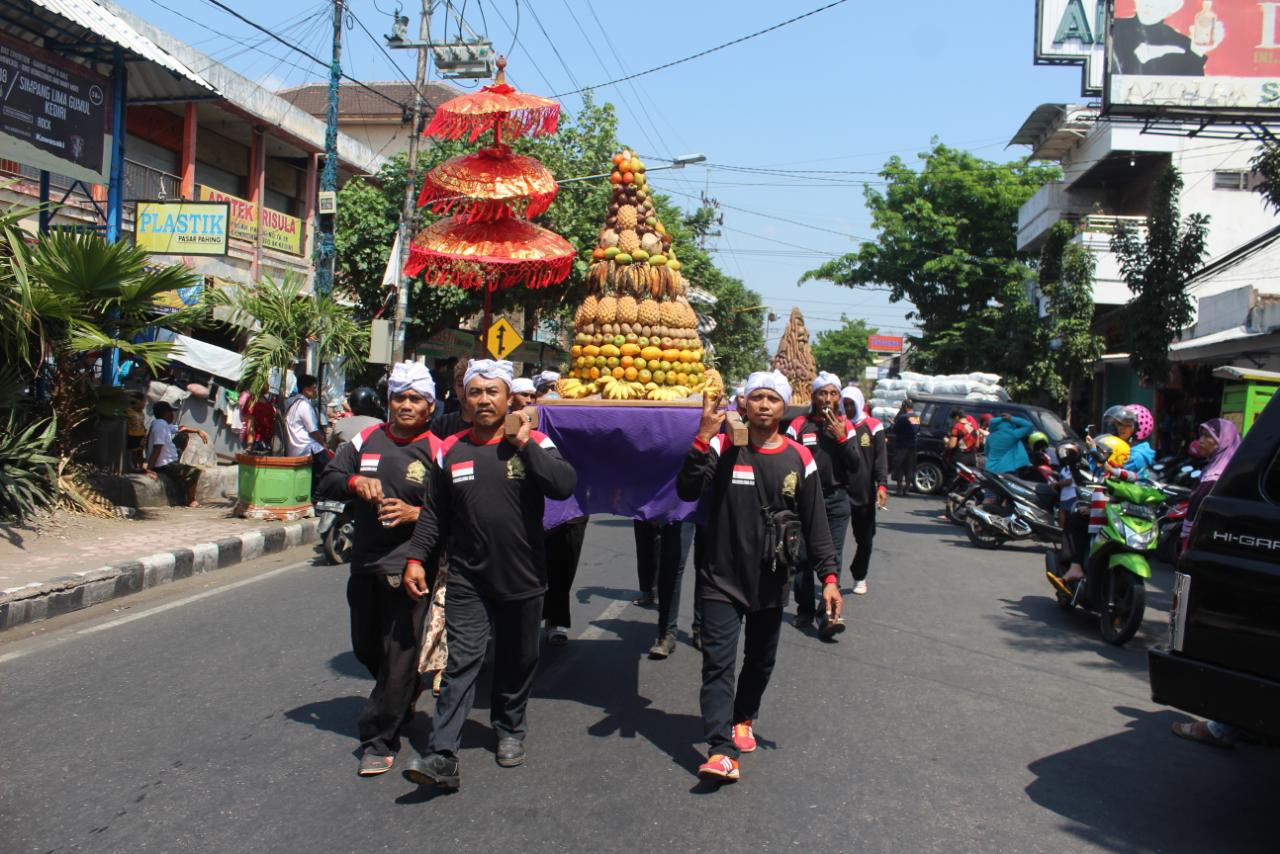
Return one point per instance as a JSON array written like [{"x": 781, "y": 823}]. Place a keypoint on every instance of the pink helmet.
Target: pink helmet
[{"x": 1146, "y": 422}]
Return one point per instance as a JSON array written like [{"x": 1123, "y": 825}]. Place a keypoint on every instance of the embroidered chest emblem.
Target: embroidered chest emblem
[
  {"x": 789, "y": 484},
  {"x": 865, "y": 441},
  {"x": 416, "y": 472},
  {"x": 515, "y": 469}
]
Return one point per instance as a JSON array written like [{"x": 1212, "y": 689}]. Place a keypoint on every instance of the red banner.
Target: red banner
[{"x": 884, "y": 343}]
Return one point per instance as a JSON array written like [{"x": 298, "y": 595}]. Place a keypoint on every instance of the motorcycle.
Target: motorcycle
[
  {"x": 1022, "y": 510},
  {"x": 336, "y": 529},
  {"x": 965, "y": 492},
  {"x": 1116, "y": 565}
]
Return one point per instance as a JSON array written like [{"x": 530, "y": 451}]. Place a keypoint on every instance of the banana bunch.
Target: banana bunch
[
  {"x": 623, "y": 390},
  {"x": 669, "y": 393},
  {"x": 575, "y": 389}
]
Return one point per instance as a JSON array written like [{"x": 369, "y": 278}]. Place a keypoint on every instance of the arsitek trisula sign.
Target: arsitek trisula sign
[{"x": 1073, "y": 32}]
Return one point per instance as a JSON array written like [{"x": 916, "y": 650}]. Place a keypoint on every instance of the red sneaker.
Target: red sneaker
[
  {"x": 719, "y": 768},
  {"x": 744, "y": 738}
]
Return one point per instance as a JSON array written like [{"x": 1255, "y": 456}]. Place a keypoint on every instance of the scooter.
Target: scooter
[
  {"x": 1022, "y": 510},
  {"x": 336, "y": 529},
  {"x": 1116, "y": 566}
]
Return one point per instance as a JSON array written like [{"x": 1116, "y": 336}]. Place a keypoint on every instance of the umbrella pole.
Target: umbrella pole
[{"x": 488, "y": 319}]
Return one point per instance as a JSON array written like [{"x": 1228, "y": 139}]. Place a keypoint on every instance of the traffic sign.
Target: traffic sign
[{"x": 502, "y": 339}]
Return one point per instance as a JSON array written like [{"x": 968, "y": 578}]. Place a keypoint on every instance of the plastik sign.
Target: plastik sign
[
  {"x": 884, "y": 343},
  {"x": 1073, "y": 32},
  {"x": 182, "y": 228}
]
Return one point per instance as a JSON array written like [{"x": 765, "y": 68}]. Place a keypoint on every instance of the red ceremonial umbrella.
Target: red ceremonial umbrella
[
  {"x": 490, "y": 184},
  {"x": 489, "y": 255},
  {"x": 485, "y": 245}
]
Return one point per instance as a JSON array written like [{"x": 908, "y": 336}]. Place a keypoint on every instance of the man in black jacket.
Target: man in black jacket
[
  {"x": 868, "y": 485},
  {"x": 385, "y": 467},
  {"x": 742, "y": 580},
  {"x": 485, "y": 507},
  {"x": 826, "y": 433}
]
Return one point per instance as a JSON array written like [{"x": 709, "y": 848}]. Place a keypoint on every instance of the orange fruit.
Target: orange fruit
[
  {"x": 619, "y": 373},
  {"x": 615, "y": 178},
  {"x": 627, "y": 361},
  {"x": 631, "y": 374},
  {"x": 594, "y": 373},
  {"x": 644, "y": 375},
  {"x": 628, "y": 178}
]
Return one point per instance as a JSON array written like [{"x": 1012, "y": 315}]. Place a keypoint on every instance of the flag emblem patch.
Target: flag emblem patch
[{"x": 463, "y": 472}]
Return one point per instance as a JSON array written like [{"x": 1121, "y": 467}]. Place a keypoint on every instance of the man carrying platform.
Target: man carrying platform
[{"x": 485, "y": 508}]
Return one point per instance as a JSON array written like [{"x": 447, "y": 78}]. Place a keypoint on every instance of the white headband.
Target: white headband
[
  {"x": 411, "y": 375},
  {"x": 522, "y": 385},
  {"x": 774, "y": 381},
  {"x": 490, "y": 370},
  {"x": 825, "y": 378}
]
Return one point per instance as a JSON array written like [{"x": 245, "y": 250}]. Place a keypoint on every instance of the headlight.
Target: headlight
[{"x": 1140, "y": 539}]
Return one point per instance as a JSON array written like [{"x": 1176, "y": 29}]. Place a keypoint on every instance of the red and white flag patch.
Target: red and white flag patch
[
  {"x": 744, "y": 475},
  {"x": 369, "y": 462},
  {"x": 463, "y": 472}
]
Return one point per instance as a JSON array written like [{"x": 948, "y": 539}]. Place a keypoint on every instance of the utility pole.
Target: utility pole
[
  {"x": 410, "y": 185},
  {"x": 325, "y": 250}
]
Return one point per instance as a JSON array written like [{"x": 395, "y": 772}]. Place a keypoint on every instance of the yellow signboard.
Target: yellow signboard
[
  {"x": 280, "y": 232},
  {"x": 182, "y": 228},
  {"x": 502, "y": 339}
]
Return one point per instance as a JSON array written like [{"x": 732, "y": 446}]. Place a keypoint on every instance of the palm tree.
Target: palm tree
[{"x": 281, "y": 319}]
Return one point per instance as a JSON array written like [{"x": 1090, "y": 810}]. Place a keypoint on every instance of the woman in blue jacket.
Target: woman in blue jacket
[{"x": 1005, "y": 451}]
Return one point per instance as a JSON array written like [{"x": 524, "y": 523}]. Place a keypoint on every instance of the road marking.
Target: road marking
[
  {"x": 178, "y": 603},
  {"x": 595, "y": 632}
]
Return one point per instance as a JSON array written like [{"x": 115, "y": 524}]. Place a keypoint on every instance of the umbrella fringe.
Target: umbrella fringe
[
  {"x": 445, "y": 202},
  {"x": 480, "y": 272},
  {"x": 534, "y": 121}
]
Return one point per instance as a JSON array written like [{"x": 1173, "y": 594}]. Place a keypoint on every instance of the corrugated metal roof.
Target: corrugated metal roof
[{"x": 101, "y": 21}]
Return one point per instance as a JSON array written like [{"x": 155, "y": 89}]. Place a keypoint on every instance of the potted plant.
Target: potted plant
[{"x": 280, "y": 321}]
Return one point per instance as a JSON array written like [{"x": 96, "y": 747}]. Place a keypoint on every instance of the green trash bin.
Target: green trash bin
[{"x": 274, "y": 487}]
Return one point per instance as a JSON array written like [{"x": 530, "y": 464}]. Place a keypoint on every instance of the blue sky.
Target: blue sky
[{"x": 839, "y": 92}]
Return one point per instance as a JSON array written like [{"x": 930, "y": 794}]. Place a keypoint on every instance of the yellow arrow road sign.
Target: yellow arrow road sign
[{"x": 502, "y": 339}]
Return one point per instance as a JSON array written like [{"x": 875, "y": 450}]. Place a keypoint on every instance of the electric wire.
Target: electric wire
[{"x": 706, "y": 52}]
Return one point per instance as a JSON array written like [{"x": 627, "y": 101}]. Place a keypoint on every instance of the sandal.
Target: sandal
[
  {"x": 1199, "y": 731},
  {"x": 1059, "y": 584}
]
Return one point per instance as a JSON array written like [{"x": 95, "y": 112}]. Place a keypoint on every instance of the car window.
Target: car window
[
  {"x": 1054, "y": 427},
  {"x": 926, "y": 415}
]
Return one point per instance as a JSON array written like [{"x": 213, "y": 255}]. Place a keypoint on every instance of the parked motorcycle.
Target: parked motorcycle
[
  {"x": 336, "y": 529},
  {"x": 965, "y": 492},
  {"x": 1116, "y": 565},
  {"x": 1022, "y": 511}
]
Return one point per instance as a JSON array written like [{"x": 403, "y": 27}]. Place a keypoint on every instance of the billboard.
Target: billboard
[
  {"x": 182, "y": 228},
  {"x": 280, "y": 232},
  {"x": 1073, "y": 32},
  {"x": 55, "y": 115},
  {"x": 884, "y": 343},
  {"x": 1210, "y": 59}
]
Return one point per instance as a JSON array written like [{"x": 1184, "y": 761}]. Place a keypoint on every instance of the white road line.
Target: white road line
[
  {"x": 178, "y": 603},
  {"x": 595, "y": 632}
]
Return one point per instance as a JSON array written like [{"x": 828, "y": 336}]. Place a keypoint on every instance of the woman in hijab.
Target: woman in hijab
[{"x": 1219, "y": 439}]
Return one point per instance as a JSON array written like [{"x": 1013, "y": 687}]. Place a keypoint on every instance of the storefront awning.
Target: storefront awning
[{"x": 203, "y": 356}]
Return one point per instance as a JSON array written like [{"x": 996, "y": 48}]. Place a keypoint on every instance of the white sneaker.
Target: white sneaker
[
  {"x": 557, "y": 636},
  {"x": 860, "y": 588}
]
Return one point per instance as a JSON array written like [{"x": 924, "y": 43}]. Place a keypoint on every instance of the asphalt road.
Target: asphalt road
[{"x": 962, "y": 711}]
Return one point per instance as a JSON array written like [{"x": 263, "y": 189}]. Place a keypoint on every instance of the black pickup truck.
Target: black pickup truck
[{"x": 1223, "y": 660}]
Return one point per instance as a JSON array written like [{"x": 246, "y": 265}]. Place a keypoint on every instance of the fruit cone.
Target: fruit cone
[
  {"x": 635, "y": 335},
  {"x": 795, "y": 358}
]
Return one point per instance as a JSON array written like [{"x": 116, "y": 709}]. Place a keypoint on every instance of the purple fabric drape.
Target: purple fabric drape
[{"x": 627, "y": 458}]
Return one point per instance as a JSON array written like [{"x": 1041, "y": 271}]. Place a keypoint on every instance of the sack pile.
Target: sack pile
[{"x": 888, "y": 395}]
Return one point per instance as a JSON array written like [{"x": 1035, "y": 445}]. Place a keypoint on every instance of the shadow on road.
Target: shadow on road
[
  {"x": 346, "y": 664},
  {"x": 1144, "y": 789},
  {"x": 605, "y": 674},
  {"x": 617, "y": 594}
]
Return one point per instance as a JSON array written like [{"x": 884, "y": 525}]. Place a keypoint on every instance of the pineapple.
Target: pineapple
[
  {"x": 669, "y": 314},
  {"x": 586, "y": 313},
  {"x": 690, "y": 316},
  {"x": 628, "y": 311},
  {"x": 607, "y": 310},
  {"x": 627, "y": 218},
  {"x": 628, "y": 241},
  {"x": 648, "y": 313}
]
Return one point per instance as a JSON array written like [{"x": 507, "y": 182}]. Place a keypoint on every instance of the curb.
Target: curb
[{"x": 42, "y": 600}]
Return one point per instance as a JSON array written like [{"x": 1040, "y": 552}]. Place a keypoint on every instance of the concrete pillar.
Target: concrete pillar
[
  {"x": 189, "y": 128},
  {"x": 309, "y": 208},
  {"x": 257, "y": 184}
]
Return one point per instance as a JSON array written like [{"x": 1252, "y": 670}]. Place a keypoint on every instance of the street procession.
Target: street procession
[{"x": 548, "y": 425}]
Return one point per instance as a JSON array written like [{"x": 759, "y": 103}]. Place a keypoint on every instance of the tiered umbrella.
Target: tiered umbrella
[{"x": 487, "y": 242}]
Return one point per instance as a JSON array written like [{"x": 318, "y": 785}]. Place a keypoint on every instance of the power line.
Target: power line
[
  {"x": 311, "y": 56},
  {"x": 537, "y": 20},
  {"x": 703, "y": 53}
]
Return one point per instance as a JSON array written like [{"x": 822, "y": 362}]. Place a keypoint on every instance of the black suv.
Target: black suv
[
  {"x": 1223, "y": 660},
  {"x": 932, "y": 473}
]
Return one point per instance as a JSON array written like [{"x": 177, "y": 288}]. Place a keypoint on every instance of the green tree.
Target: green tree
[
  {"x": 843, "y": 351},
  {"x": 948, "y": 244},
  {"x": 1156, "y": 269},
  {"x": 1267, "y": 164}
]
